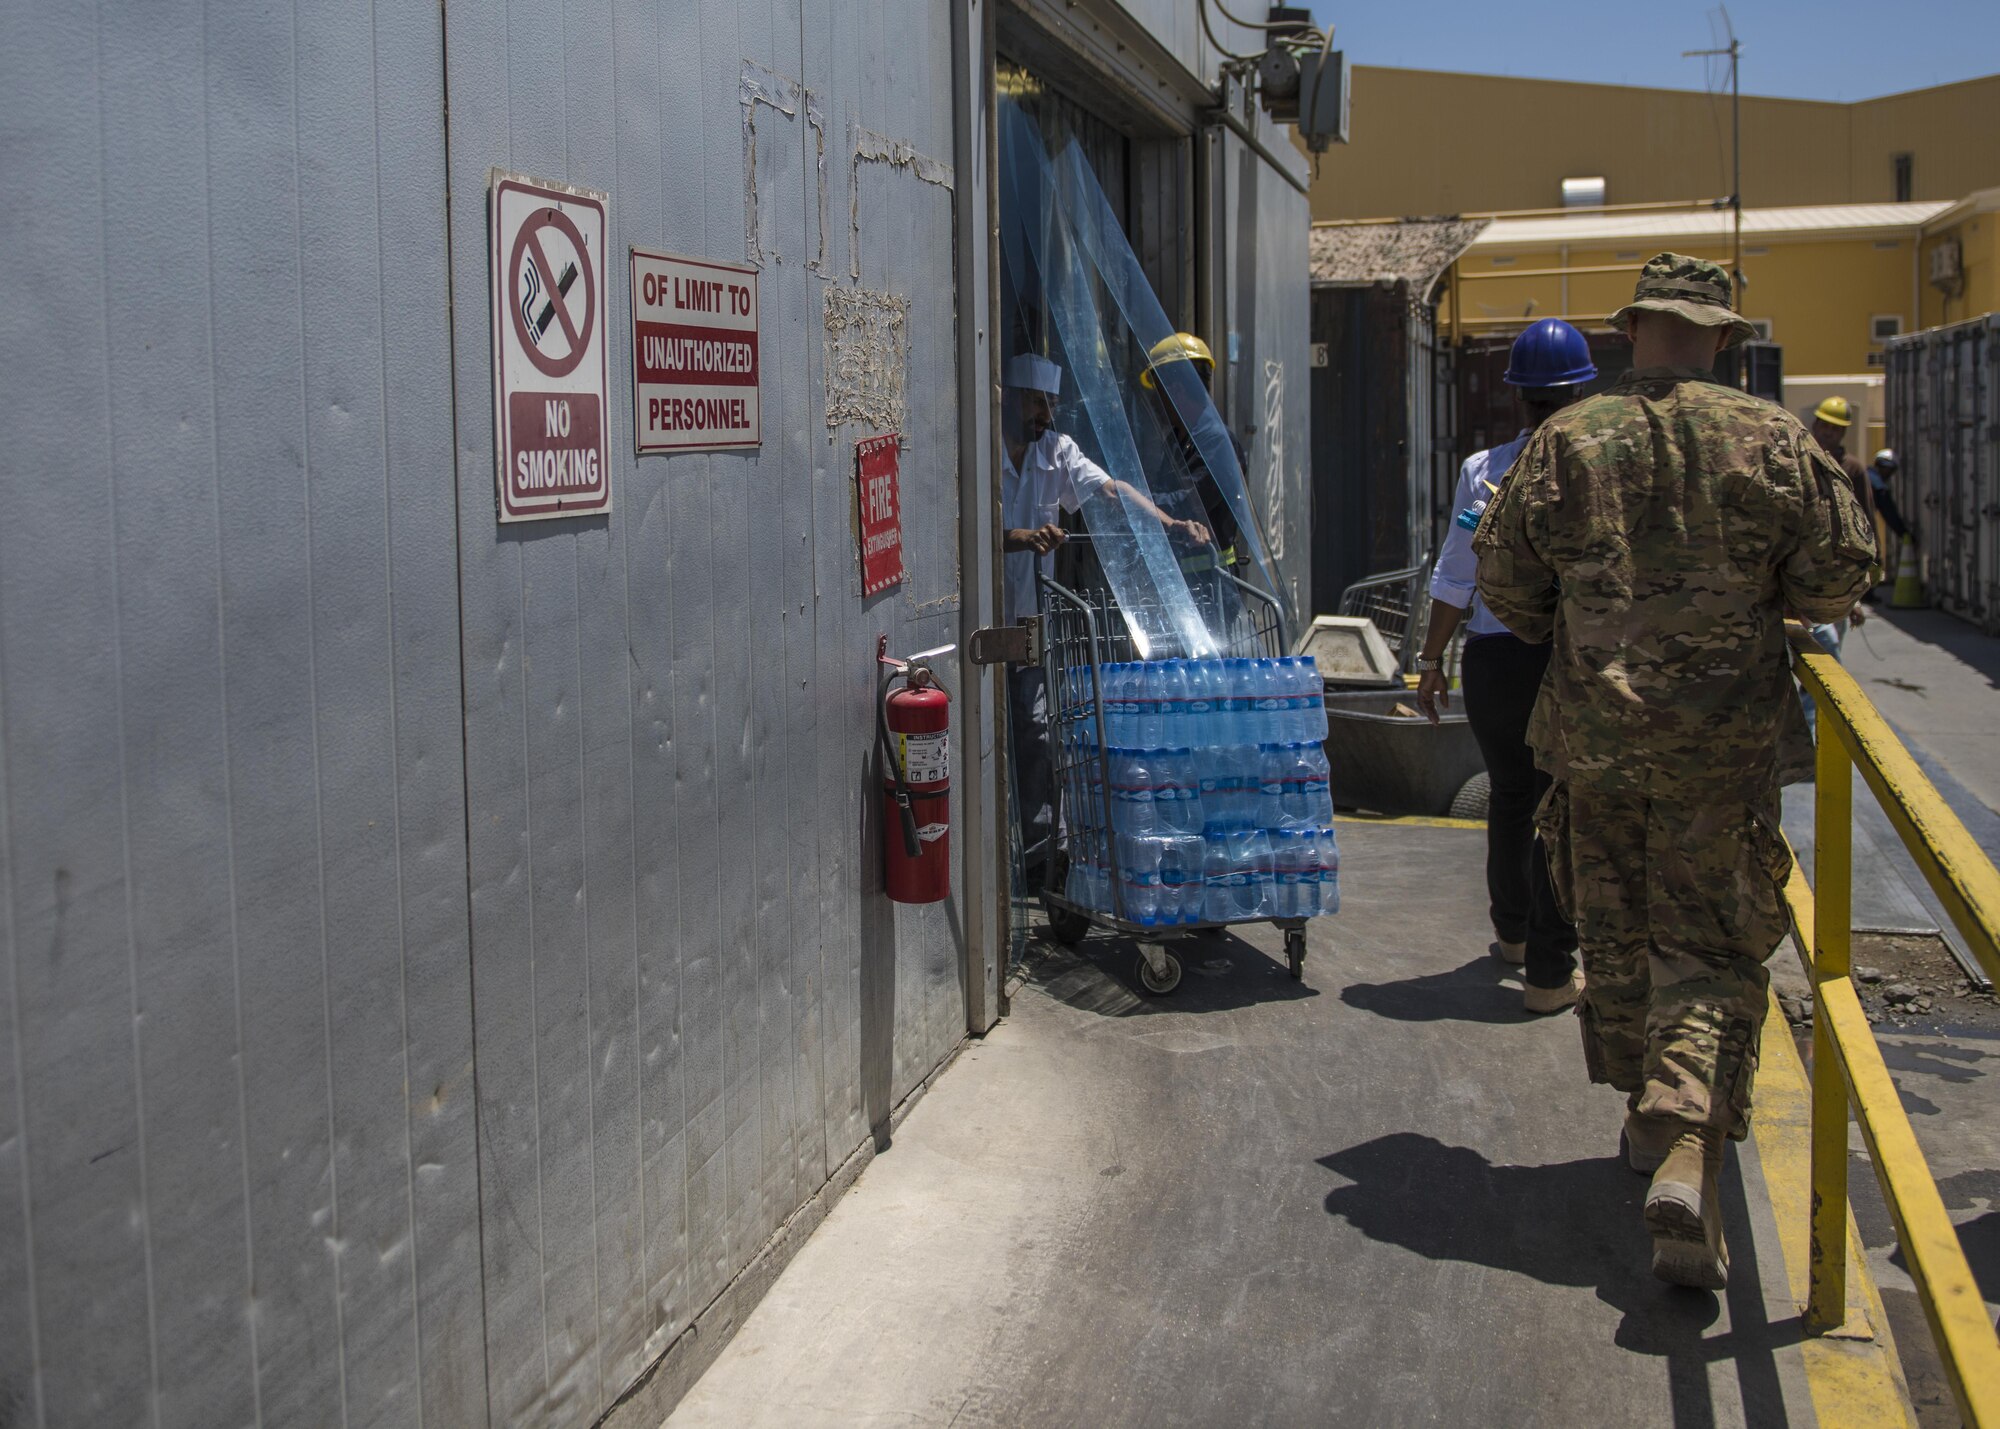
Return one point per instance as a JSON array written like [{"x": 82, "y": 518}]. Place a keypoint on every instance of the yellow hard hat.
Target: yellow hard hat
[
  {"x": 1835, "y": 412},
  {"x": 1176, "y": 347}
]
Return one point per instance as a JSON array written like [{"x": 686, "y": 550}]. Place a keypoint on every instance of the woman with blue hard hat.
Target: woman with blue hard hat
[{"x": 1500, "y": 676}]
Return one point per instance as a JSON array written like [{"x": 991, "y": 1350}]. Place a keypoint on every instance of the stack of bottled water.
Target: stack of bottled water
[{"x": 1221, "y": 810}]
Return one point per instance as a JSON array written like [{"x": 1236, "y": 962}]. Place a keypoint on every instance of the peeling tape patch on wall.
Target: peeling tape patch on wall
[{"x": 867, "y": 357}]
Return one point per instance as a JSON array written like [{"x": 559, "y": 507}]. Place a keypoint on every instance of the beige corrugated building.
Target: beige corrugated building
[
  {"x": 1429, "y": 142},
  {"x": 1862, "y": 220}
]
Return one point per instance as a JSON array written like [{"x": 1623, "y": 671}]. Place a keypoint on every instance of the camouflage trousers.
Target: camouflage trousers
[{"x": 1677, "y": 907}]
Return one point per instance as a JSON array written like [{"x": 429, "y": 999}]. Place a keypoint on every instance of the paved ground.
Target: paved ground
[
  {"x": 1937, "y": 679},
  {"x": 1384, "y": 1197}
]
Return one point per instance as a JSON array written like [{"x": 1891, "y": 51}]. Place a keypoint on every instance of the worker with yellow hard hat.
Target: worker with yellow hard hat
[
  {"x": 1205, "y": 502},
  {"x": 1830, "y": 422}
]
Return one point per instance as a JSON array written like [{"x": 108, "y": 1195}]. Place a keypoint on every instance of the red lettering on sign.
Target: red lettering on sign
[{"x": 875, "y": 461}]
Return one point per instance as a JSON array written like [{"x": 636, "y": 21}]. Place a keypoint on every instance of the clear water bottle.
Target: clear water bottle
[
  {"x": 1132, "y": 782},
  {"x": 1239, "y": 890},
  {"x": 1268, "y": 690},
  {"x": 1293, "y": 812},
  {"x": 1175, "y": 686},
  {"x": 1213, "y": 783},
  {"x": 1139, "y": 876},
  {"x": 1318, "y": 784},
  {"x": 1308, "y": 872},
  {"x": 1145, "y": 705},
  {"x": 1235, "y": 691},
  {"x": 1215, "y": 878},
  {"x": 1201, "y": 704},
  {"x": 1299, "y": 682},
  {"x": 1251, "y": 874},
  {"x": 1193, "y": 813},
  {"x": 1312, "y": 724},
  {"x": 1293, "y": 856},
  {"x": 1110, "y": 680},
  {"x": 1329, "y": 870},
  {"x": 1181, "y": 878},
  {"x": 1269, "y": 812}
]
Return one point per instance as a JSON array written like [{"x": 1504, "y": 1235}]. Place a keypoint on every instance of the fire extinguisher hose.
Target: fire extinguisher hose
[{"x": 912, "y": 846}]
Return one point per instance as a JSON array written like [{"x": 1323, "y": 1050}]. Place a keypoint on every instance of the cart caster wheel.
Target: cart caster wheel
[
  {"x": 1160, "y": 986},
  {"x": 1067, "y": 927},
  {"x": 1295, "y": 952}
]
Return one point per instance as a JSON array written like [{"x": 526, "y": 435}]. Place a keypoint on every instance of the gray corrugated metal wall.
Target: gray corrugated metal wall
[
  {"x": 315, "y": 783},
  {"x": 236, "y": 1137},
  {"x": 690, "y": 1004}
]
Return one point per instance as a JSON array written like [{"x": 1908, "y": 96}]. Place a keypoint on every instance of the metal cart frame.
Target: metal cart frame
[{"x": 1081, "y": 634}]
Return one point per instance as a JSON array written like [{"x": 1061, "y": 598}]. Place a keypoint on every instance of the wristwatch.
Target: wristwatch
[{"x": 1426, "y": 667}]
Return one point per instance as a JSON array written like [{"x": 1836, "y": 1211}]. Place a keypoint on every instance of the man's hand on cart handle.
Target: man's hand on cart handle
[
  {"x": 1433, "y": 694},
  {"x": 1039, "y": 539},
  {"x": 1194, "y": 531}
]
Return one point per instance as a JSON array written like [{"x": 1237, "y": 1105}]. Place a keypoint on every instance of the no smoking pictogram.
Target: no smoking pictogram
[
  {"x": 553, "y": 337},
  {"x": 551, "y": 371}
]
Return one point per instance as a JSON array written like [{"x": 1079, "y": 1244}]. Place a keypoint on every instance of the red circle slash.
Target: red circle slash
[{"x": 528, "y": 247}]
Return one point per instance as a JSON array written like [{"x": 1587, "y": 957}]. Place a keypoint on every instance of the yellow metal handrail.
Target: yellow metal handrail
[{"x": 1847, "y": 1063}]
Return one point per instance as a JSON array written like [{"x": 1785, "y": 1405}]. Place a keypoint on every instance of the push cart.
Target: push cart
[{"x": 1082, "y": 633}]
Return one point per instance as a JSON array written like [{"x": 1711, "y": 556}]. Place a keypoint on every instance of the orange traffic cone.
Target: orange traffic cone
[{"x": 1909, "y": 593}]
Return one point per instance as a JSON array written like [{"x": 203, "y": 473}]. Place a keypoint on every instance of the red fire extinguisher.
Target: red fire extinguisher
[{"x": 914, "y": 720}]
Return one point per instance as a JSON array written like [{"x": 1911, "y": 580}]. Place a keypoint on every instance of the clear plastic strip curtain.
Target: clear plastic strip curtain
[{"x": 1080, "y": 298}]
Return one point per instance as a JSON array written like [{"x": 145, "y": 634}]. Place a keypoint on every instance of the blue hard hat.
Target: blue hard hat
[{"x": 1549, "y": 354}]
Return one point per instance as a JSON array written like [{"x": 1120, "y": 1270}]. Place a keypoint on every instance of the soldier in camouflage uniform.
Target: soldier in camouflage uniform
[{"x": 1660, "y": 532}]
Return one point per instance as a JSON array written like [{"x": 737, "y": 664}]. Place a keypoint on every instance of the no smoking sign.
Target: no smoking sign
[{"x": 550, "y": 364}]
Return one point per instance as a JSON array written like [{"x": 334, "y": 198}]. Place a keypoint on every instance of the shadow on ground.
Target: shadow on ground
[
  {"x": 1220, "y": 972},
  {"x": 1475, "y": 992},
  {"x": 1574, "y": 1223},
  {"x": 1955, "y": 637}
]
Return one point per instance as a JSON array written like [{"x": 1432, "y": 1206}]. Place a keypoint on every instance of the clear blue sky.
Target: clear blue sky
[{"x": 1835, "y": 49}]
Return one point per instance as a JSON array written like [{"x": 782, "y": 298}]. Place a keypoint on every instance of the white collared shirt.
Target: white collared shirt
[
  {"x": 1056, "y": 476},
  {"x": 1455, "y": 578}
]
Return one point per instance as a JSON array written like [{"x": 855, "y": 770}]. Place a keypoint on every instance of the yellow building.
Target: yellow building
[
  {"x": 1829, "y": 284},
  {"x": 1427, "y": 142},
  {"x": 1960, "y": 260}
]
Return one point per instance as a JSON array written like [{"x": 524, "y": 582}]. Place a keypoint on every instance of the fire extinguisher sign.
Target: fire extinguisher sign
[
  {"x": 926, "y": 757},
  {"x": 881, "y": 525}
]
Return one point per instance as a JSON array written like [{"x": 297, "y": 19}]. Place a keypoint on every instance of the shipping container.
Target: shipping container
[
  {"x": 1944, "y": 426},
  {"x": 445, "y": 969}
]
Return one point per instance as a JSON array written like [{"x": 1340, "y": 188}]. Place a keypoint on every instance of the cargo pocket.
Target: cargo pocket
[
  {"x": 1769, "y": 860},
  {"x": 1552, "y": 823},
  {"x": 1741, "y": 1048}
]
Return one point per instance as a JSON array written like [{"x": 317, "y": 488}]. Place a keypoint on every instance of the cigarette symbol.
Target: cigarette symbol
[{"x": 538, "y": 323}]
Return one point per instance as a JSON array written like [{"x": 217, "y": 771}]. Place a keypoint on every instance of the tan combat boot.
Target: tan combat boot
[
  {"x": 1554, "y": 999},
  {"x": 1646, "y": 1140},
  {"x": 1513, "y": 954},
  {"x": 1684, "y": 1212}
]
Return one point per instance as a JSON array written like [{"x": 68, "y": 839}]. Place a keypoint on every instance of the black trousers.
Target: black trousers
[
  {"x": 1034, "y": 778},
  {"x": 1499, "y": 678}
]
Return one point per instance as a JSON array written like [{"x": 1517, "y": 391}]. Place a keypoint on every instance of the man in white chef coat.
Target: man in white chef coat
[{"x": 1042, "y": 475}]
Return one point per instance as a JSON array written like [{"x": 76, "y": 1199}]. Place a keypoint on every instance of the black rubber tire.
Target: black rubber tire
[
  {"x": 1295, "y": 953},
  {"x": 1162, "y": 986},
  {"x": 1066, "y": 927},
  {"x": 1472, "y": 801}
]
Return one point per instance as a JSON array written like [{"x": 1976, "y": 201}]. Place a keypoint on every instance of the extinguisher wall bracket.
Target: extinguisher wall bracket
[
  {"x": 892, "y": 765},
  {"x": 1018, "y": 644}
]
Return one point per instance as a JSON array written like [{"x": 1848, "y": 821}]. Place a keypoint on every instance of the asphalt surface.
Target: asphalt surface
[{"x": 1384, "y": 1196}]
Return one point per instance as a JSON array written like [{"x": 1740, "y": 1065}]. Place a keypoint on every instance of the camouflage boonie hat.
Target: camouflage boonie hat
[{"x": 1690, "y": 288}]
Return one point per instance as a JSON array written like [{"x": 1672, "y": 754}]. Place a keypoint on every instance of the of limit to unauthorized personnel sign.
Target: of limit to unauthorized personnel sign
[
  {"x": 694, "y": 355},
  {"x": 550, "y": 365}
]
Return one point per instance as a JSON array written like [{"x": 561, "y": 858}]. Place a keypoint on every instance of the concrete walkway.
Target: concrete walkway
[{"x": 1383, "y": 1197}]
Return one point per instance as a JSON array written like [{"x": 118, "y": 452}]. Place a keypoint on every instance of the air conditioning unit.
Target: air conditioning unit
[{"x": 1947, "y": 268}]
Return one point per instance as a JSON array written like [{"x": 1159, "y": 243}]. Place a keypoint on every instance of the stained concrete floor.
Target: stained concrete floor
[{"x": 1382, "y": 1197}]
